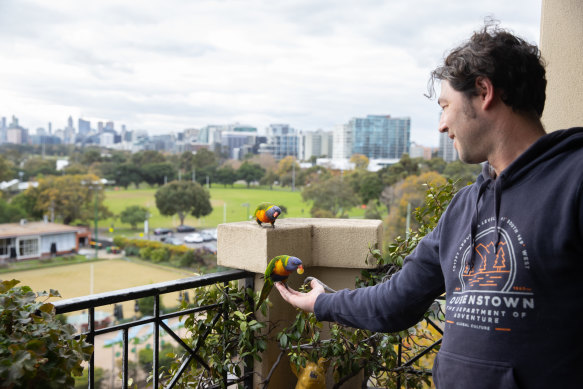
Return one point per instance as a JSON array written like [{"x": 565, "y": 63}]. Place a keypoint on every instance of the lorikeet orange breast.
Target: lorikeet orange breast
[
  {"x": 267, "y": 213},
  {"x": 278, "y": 269}
]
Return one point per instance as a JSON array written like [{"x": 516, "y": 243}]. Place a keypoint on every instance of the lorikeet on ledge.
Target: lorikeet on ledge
[
  {"x": 267, "y": 213},
  {"x": 278, "y": 269}
]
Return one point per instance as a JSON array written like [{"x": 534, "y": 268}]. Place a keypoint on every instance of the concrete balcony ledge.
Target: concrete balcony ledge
[
  {"x": 336, "y": 243},
  {"x": 332, "y": 250}
]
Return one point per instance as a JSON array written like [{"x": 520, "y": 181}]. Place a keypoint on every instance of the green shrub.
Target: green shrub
[
  {"x": 146, "y": 253},
  {"x": 132, "y": 251},
  {"x": 159, "y": 255},
  {"x": 36, "y": 349},
  {"x": 120, "y": 241}
]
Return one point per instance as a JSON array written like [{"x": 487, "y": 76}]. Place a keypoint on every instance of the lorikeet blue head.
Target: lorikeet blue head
[
  {"x": 294, "y": 263},
  {"x": 273, "y": 212}
]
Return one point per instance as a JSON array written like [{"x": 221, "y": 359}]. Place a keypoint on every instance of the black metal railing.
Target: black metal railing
[
  {"x": 89, "y": 303},
  {"x": 408, "y": 365}
]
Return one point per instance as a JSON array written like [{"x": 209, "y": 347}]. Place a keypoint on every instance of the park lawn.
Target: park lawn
[
  {"x": 229, "y": 205},
  {"x": 108, "y": 275}
]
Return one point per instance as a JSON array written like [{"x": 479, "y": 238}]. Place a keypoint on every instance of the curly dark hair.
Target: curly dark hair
[{"x": 514, "y": 66}]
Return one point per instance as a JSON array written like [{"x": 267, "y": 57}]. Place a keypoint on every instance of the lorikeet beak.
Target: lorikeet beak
[
  {"x": 300, "y": 269},
  {"x": 275, "y": 214}
]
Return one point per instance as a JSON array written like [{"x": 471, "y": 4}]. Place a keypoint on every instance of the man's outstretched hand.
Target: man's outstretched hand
[{"x": 304, "y": 301}]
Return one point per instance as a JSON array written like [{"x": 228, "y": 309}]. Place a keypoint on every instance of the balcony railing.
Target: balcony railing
[{"x": 89, "y": 303}]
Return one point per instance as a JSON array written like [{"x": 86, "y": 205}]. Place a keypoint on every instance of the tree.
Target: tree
[
  {"x": 158, "y": 173},
  {"x": 70, "y": 197},
  {"x": 333, "y": 195},
  {"x": 409, "y": 191},
  {"x": 90, "y": 156},
  {"x": 288, "y": 170},
  {"x": 461, "y": 172},
  {"x": 266, "y": 161},
  {"x": 204, "y": 158},
  {"x": 371, "y": 187},
  {"x": 250, "y": 172},
  {"x": 399, "y": 171},
  {"x": 435, "y": 164},
  {"x": 6, "y": 169},
  {"x": 10, "y": 213},
  {"x": 226, "y": 175},
  {"x": 36, "y": 166},
  {"x": 75, "y": 168},
  {"x": 147, "y": 156},
  {"x": 182, "y": 197},
  {"x": 269, "y": 179},
  {"x": 27, "y": 202},
  {"x": 360, "y": 161},
  {"x": 133, "y": 215}
]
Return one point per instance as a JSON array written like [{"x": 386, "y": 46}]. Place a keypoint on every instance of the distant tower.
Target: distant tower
[
  {"x": 446, "y": 150},
  {"x": 84, "y": 127}
]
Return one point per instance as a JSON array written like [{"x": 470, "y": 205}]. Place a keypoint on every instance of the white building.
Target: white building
[
  {"x": 28, "y": 240},
  {"x": 342, "y": 139},
  {"x": 446, "y": 150}
]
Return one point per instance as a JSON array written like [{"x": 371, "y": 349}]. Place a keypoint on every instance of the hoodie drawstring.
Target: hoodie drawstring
[{"x": 474, "y": 225}]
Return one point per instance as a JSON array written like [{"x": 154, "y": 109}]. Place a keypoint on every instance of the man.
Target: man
[{"x": 508, "y": 251}]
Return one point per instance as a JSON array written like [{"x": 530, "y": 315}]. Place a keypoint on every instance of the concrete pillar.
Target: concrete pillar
[
  {"x": 561, "y": 43},
  {"x": 332, "y": 250}
]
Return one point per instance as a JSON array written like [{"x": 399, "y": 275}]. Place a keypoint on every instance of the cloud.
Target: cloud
[{"x": 174, "y": 64}]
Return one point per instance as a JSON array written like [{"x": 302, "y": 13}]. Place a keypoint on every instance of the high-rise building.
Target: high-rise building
[
  {"x": 3, "y": 130},
  {"x": 342, "y": 142},
  {"x": 380, "y": 136},
  {"x": 84, "y": 127},
  {"x": 315, "y": 144},
  {"x": 446, "y": 149},
  {"x": 375, "y": 136},
  {"x": 282, "y": 140}
]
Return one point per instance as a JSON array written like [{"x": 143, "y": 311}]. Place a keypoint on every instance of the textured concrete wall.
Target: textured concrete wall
[
  {"x": 561, "y": 43},
  {"x": 332, "y": 250}
]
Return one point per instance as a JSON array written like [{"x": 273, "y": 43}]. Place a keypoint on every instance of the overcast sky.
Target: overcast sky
[{"x": 164, "y": 66}]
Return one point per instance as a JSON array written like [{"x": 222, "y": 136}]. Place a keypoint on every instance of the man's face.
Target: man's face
[{"x": 461, "y": 120}]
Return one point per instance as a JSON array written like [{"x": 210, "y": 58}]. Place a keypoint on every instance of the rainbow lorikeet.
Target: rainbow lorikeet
[
  {"x": 278, "y": 269},
  {"x": 267, "y": 213}
]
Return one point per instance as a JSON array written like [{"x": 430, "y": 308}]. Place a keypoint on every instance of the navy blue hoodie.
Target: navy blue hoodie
[{"x": 508, "y": 253}]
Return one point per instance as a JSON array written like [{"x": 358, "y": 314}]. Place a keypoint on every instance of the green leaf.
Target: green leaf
[{"x": 283, "y": 341}]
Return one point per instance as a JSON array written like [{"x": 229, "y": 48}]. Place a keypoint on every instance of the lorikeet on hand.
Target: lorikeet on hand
[
  {"x": 278, "y": 269},
  {"x": 267, "y": 213}
]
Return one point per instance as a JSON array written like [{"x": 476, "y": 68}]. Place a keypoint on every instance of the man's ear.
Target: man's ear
[{"x": 486, "y": 92}]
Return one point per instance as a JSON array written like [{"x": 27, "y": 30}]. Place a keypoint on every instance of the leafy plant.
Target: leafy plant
[
  {"x": 36, "y": 349},
  {"x": 353, "y": 350},
  {"x": 225, "y": 337}
]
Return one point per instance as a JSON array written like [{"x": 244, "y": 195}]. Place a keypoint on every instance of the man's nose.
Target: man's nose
[{"x": 442, "y": 127}]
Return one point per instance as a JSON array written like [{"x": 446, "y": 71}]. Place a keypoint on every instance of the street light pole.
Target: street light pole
[{"x": 96, "y": 229}]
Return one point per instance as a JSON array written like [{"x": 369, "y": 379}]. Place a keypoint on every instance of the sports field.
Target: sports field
[
  {"x": 229, "y": 205},
  {"x": 108, "y": 275}
]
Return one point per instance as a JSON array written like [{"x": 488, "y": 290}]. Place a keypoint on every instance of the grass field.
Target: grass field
[
  {"x": 228, "y": 206},
  {"x": 108, "y": 275}
]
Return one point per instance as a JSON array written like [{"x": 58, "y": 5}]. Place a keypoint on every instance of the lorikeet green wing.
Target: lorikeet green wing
[{"x": 278, "y": 269}]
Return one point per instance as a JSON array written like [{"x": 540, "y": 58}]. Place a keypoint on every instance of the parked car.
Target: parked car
[
  {"x": 162, "y": 231},
  {"x": 174, "y": 241},
  {"x": 194, "y": 238},
  {"x": 184, "y": 228},
  {"x": 206, "y": 236},
  {"x": 212, "y": 232}
]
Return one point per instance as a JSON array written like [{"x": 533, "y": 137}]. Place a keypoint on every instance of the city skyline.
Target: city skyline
[{"x": 167, "y": 66}]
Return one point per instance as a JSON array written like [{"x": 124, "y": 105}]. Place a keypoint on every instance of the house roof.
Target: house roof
[{"x": 10, "y": 230}]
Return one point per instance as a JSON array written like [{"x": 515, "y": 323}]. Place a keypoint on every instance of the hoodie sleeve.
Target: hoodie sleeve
[{"x": 393, "y": 305}]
